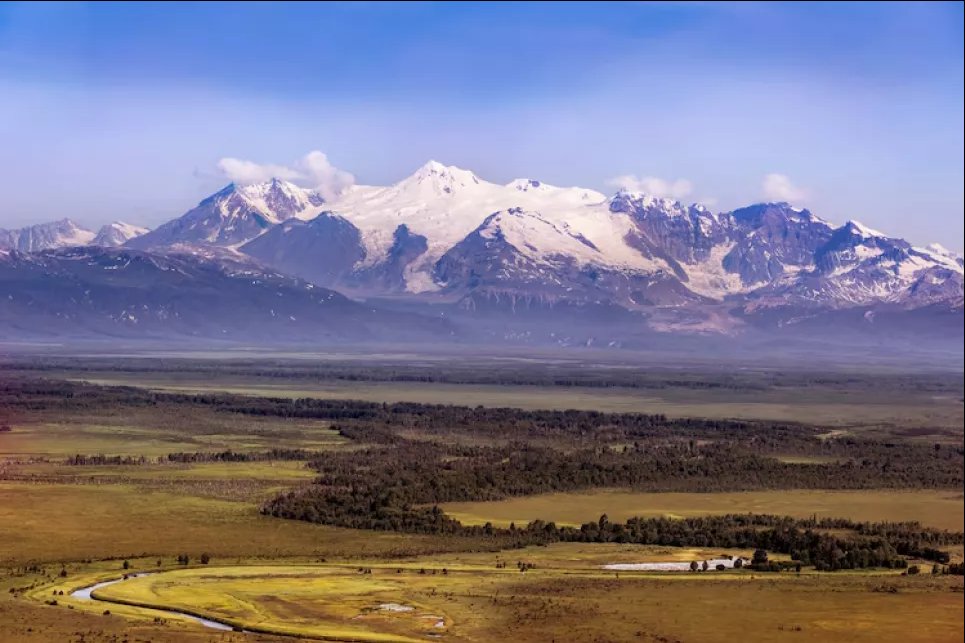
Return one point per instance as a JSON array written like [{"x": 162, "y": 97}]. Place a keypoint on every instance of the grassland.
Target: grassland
[
  {"x": 939, "y": 509},
  {"x": 296, "y": 578},
  {"x": 44, "y": 522},
  {"x": 931, "y": 416},
  {"x": 564, "y": 597},
  {"x": 149, "y": 432}
]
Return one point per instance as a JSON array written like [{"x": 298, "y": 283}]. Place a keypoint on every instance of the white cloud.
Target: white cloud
[
  {"x": 313, "y": 170},
  {"x": 653, "y": 186},
  {"x": 248, "y": 172},
  {"x": 707, "y": 201},
  {"x": 778, "y": 187},
  {"x": 323, "y": 176}
]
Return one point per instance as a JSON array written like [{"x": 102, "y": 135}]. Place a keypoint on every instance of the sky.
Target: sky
[{"x": 136, "y": 112}]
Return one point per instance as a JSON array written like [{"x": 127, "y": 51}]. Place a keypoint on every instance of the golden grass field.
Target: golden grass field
[
  {"x": 265, "y": 573},
  {"x": 66, "y": 522},
  {"x": 940, "y": 509},
  {"x": 564, "y": 598}
]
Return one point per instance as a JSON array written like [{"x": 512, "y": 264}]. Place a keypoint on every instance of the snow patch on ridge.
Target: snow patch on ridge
[
  {"x": 711, "y": 279},
  {"x": 863, "y": 230}
]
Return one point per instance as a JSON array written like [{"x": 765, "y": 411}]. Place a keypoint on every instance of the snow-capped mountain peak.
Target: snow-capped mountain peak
[
  {"x": 629, "y": 200},
  {"x": 443, "y": 231},
  {"x": 939, "y": 249},
  {"x": 236, "y": 214},
  {"x": 279, "y": 199},
  {"x": 117, "y": 233},
  {"x": 436, "y": 179},
  {"x": 43, "y": 236},
  {"x": 939, "y": 254},
  {"x": 859, "y": 229}
]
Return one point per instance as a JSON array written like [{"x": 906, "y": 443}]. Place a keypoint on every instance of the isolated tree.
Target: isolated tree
[
  {"x": 705, "y": 566},
  {"x": 693, "y": 565},
  {"x": 738, "y": 563},
  {"x": 205, "y": 558},
  {"x": 126, "y": 565}
]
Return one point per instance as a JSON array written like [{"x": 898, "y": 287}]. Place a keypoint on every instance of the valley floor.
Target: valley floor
[
  {"x": 469, "y": 598},
  {"x": 943, "y": 510},
  {"x": 66, "y": 525}
]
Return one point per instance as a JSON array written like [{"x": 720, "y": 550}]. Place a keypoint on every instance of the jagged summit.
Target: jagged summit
[
  {"x": 42, "y": 236},
  {"x": 627, "y": 200},
  {"x": 235, "y": 214},
  {"x": 280, "y": 199},
  {"x": 861, "y": 230},
  {"x": 443, "y": 232}
]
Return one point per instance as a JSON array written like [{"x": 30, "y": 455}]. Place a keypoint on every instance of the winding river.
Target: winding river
[{"x": 87, "y": 594}]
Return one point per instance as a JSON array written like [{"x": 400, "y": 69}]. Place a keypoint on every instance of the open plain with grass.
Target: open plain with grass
[
  {"x": 943, "y": 510},
  {"x": 564, "y": 598},
  {"x": 932, "y": 415},
  {"x": 98, "y": 482}
]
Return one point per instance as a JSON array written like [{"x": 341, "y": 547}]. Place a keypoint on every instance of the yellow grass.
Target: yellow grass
[
  {"x": 565, "y": 598},
  {"x": 325, "y": 602},
  {"x": 58, "y": 522},
  {"x": 940, "y": 509}
]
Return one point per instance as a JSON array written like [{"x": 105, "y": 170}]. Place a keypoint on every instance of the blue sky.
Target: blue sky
[{"x": 112, "y": 111}]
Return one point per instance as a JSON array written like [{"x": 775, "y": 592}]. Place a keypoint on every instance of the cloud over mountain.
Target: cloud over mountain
[
  {"x": 663, "y": 188},
  {"x": 313, "y": 170},
  {"x": 778, "y": 187}
]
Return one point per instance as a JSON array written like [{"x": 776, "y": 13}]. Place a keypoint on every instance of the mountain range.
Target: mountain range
[
  {"x": 523, "y": 261},
  {"x": 65, "y": 234}
]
